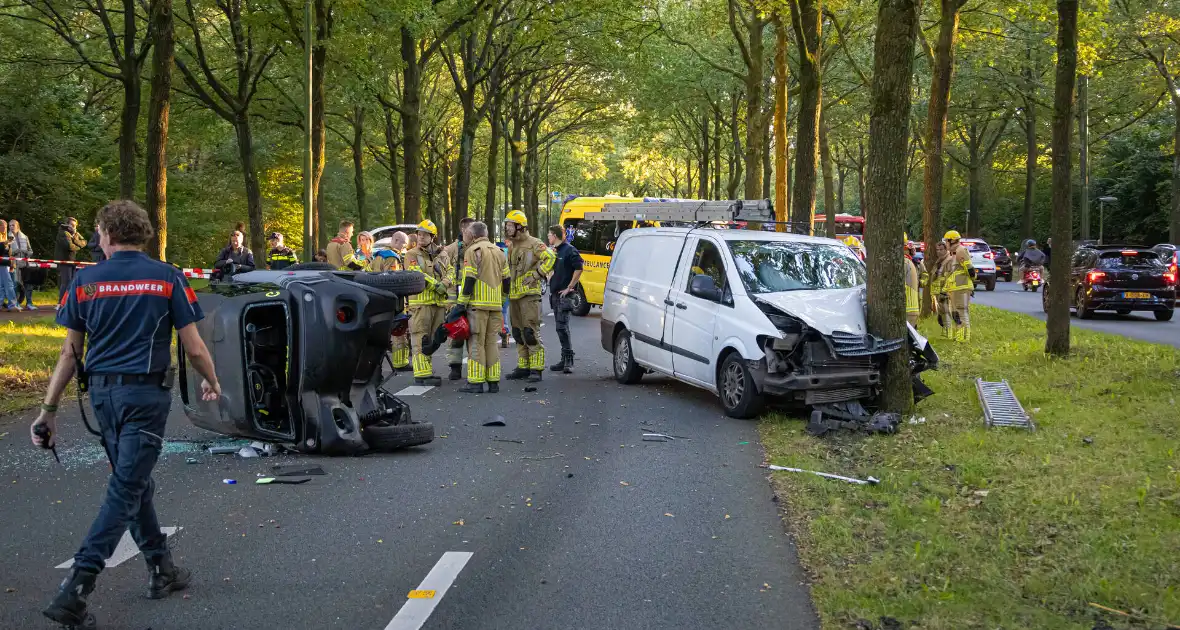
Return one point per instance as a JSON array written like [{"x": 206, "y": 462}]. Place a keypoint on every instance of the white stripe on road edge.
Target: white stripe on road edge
[
  {"x": 415, "y": 390},
  {"x": 125, "y": 551},
  {"x": 423, "y": 600}
]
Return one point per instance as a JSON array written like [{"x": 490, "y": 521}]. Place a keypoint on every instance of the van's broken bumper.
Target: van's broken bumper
[{"x": 814, "y": 389}]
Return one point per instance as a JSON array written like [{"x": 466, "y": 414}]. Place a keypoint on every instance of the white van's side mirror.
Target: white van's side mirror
[{"x": 702, "y": 286}]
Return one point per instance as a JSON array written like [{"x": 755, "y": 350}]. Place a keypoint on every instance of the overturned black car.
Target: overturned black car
[{"x": 299, "y": 354}]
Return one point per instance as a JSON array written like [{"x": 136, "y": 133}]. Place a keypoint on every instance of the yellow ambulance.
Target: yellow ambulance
[{"x": 595, "y": 241}]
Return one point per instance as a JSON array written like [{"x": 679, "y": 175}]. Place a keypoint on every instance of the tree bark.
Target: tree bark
[
  {"x": 1174, "y": 227},
  {"x": 781, "y": 142},
  {"x": 805, "y": 17},
  {"x": 448, "y": 208},
  {"x": 703, "y": 165},
  {"x": 825, "y": 157},
  {"x": 358, "y": 164},
  {"x": 411, "y": 111},
  {"x": 489, "y": 209},
  {"x": 132, "y": 91},
  {"x": 860, "y": 179},
  {"x": 1030, "y": 168},
  {"x": 431, "y": 208},
  {"x": 531, "y": 173},
  {"x": 245, "y": 139},
  {"x": 840, "y": 174},
  {"x": 766, "y": 161},
  {"x": 1084, "y": 154},
  {"x": 391, "y": 144},
  {"x": 940, "y": 97},
  {"x": 717, "y": 154},
  {"x": 319, "y": 131},
  {"x": 754, "y": 128},
  {"x": 974, "y": 181},
  {"x": 517, "y": 177},
  {"x": 897, "y": 24},
  {"x": 157, "y": 133},
  {"x": 735, "y": 164},
  {"x": 1057, "y": 325}
]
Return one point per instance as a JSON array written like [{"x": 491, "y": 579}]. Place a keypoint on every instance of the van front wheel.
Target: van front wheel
[
  {"x": 735, "y": 387},
  {"x": 578, "y": 303}
]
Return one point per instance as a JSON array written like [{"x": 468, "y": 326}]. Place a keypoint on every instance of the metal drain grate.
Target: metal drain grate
[{"x": 1000, "y": 407}]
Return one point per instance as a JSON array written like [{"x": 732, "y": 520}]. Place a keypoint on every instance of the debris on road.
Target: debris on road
[
  {"x": 459, "y": 522},
  {"x": 229, "y": 482},
  {"x": 223, "y": 450},
  {"x": 871, "y": 481},
  {"x": 850, "y": 415},
  {"x": 656, "y": 437},
  {"x": 506, "y": 440},
  {"x": 283, "y": 480},
  {"x": 1000, "y": 406},
  {"x": 917, "y": 420},
  {"x": 545, "y": 457},
  {"x": 624, "y": 483},
  {"x": 297, "y": 470},
  {"x": 498, "y": 422},
  {"x": 1088, "y": 441},
  {"x": 530, "y": 390},
  {"x": 191, "y": 460}
]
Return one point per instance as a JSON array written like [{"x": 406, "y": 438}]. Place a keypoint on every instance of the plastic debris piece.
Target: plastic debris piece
[
  {"x": 223, "y": 450},
  {"x": 247, "y": 452},
  {"x": 530, "y": 389},
  {"x": 624, "y": 483},
  {"x": 229, "y": 482},
  {"x": 293, "y": 481},
  {"x": 191, "y": 460},
  {"x": 871, "y": 481},
  {"x": 669, "y": 515},
  {"x": 458, "y": 522},
  {"x": 297, "y": 470},
  {"x": 742, "y": 443},
  {"x": 498, "y": 422},
  {"x": 656, "y": 437}
]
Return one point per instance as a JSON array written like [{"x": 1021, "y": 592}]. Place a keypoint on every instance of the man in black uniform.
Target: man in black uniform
[
  {"x": 566, "y": 274},
  {"x": 123, "y": 311},
  {"x": 280, "y": 256}
]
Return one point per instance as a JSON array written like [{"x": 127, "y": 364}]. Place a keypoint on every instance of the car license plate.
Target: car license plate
[{"x": 1136, "y": 296}]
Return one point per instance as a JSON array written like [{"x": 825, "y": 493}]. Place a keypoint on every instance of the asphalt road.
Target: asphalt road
[
  {"x": 1144, "y": 326},
  {"x": 583, "y": 525}
]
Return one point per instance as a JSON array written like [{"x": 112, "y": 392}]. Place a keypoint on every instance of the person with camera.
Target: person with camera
[
  {"x": 234, "y": 258},
  {"x": 69, "y": 241},
  {"x": 123, "y": 312}
]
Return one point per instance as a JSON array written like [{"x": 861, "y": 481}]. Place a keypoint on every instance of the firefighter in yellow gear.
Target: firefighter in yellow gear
[
  {"x": 378, "y": 261},
  {"x": 912, "y": 303},
  {"x": 937, "y": 287},
  {"x": 484, "y": 281},
  {"x": 340, "y": 252},
  {"x": 959, "y": 276},
  {"x": 451, "y": 260},
  {"x": 390, "y": 259},
  {"x": 529, "y": 262},
  {"x": 427, "y": 309}
]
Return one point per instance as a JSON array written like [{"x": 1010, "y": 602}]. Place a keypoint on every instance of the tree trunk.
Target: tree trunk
[
  {"x": 766, "y": 161},
  {"x": 1174, "y": 227},
  {"x": 781, "y": 104},
  {"x": 840, "y": 174},
  {"x": 358, "y": 164},
  {"x": 825, "y": 157},
  {"x": 860, "y": 179},
  {"x": 132, "y": 90},
  {"x": 940, "y": 97},
  {"x": 1084, "y": 154},
  {"x": 448, "y": 207},
  {"x": 1030, "y": 168},
  {"x": 754, "y": 128},
  {"x": 1057, "y": 326},
  {"x": 974, "y": 177},
  {"x": 517, "y": 177},
  {"x": 391, "y": 146},
  {"x": 157, "y": 133},
  {"x": 703, "y": 165},
  {"x": 411, "y": 126},
  {"x": 897, "y": 23},
  {"x": 530, "y": 176},
  {"x": 717, "y": 154},
  {"x": 735, "y": 164},
  {"x": 253, "y": 194},
  {"x": 805, "y": 15},
  {"x": 467, "y": 131},
  {"x": 428, "y": 175},
  {"x": 489, "y": 208},
  {"x": 319, "y": 130}
]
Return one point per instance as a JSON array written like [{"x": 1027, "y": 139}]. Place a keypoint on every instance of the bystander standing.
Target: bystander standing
[
  {"x": 25, "y": 278},
  {"x": 69, "y": 241},
  {"x": 7, "y": 285}
]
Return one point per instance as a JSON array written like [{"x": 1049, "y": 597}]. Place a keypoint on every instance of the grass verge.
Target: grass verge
[
  {"x": 28, "y": 351},
  {"x": 1001, "y": 528}
]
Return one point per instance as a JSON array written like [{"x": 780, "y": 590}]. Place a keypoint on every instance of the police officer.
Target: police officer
[
  {"x": 280, "y": 256},
  {"x": 481, "y": 291},
  {"x": 340, "y": 252},
  {"x": 529, "y": 261},
  {"x": 960, "y": 282},
  {"x": 124, "y": 311},
  {"x": 427, "y": 309},
  {"x": 451, "y": 260},
  {"x": 912, "y": 302},
  {"x": 567, "y": 272}
]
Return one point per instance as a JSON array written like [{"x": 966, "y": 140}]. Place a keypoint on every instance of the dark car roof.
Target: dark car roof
[{"x": 1137, "y": 248}]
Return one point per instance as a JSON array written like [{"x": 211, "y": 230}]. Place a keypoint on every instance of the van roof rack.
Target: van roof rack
[{"x": 757, "y": 210}]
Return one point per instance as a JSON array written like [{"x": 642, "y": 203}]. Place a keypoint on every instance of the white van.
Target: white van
[{"x": 745, "y": 314}]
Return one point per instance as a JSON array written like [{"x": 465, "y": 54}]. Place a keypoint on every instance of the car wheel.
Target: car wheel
[
  {"x": 627, "y": 371},
  {"x": 735, "y": 386},
  {"x": 1164, "y": 316},
  {"x": 991, "y": 284},
  {"x": 581, "y": 307},
  {"x": 1124, "y": 311},
  {"x": 311, "y": 266},
  {"x": 403, "y": 283},
  {"x": 389, "y": 437},
  {"x": 1083, "y": 311}
]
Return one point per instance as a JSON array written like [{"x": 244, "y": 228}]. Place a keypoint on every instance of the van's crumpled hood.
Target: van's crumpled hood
[{"x": 826, "y": 311}]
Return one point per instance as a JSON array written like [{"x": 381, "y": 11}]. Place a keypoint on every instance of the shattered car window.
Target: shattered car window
[{"x": 773, "y": 266}]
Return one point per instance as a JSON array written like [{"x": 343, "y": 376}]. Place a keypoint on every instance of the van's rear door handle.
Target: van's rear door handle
[
  {"x": 669, "y": 302},
  {"x": 682, "y": 306}
]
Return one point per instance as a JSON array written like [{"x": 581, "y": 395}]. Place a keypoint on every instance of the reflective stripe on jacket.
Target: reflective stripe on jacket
[
  {"x": 433, "y": 271},
  {"x": 528, "y": 261},
  {"x": 485, "y": 268}
]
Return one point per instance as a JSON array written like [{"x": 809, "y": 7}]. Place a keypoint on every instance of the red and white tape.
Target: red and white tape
[{"x": 38, "y": 263}]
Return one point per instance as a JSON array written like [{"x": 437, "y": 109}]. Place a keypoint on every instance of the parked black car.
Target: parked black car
[
  {"x": 1169, "y": 252},
  {"x": 299, "y": 354},
  {"x": 1120, "y": 278},
  {"x": 1003, "y": 263}
]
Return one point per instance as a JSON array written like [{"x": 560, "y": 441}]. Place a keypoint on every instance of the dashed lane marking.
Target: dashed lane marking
[
  {"x": 125, "y": 550},
  {"x": 422, "y": 601}
]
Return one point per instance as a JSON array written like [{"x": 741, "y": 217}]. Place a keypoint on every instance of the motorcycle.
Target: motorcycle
[{"x": 1031, "y": 279}]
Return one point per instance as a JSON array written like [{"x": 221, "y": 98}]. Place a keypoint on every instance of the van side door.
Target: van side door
[{"x": 693, "y": 329}]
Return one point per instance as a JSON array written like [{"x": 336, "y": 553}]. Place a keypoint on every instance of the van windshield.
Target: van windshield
[{"x": 774, "y": 266}]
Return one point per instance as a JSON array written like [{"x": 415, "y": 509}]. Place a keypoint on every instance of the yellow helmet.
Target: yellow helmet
[
  {"x": 952, "y": 236},
  {"x": 516, "y": 216},
  {"x": 905, "y": 237},
  {"x": 851, "y": 241},
  {"x": 428, "y": 226}
]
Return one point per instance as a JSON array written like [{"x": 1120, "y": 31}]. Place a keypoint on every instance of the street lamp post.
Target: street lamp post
[{"x": 1102, "y": 201}]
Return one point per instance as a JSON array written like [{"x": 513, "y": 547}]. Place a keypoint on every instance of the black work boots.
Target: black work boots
[
  {"x": 456, "y": 372},
  {"x": 518, "y": 373},
  {"x": 566, "y": 364},
  {"x": 433, "y": 381},
  {"x": 165, "y": 577},
  {"x": 69, "y": 605}
]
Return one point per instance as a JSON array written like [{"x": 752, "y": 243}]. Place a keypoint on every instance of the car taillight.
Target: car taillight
[
  {"x": 1170, "y": 277},
  {"x": 1095, "y": 276},
  {"x": 345, "y": 314},
  {"x": 990, "y": 255}
]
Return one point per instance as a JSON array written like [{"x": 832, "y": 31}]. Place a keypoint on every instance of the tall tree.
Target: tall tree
[
  {"x": 825, "y": 155},
  {"x": 805, "y": 19},
  {"x": 1057, "y": 326},
  {"x": 893, "y": 54},
  {"x": 981, "y": 132},
  {"x": 781, "y": 103},
  {"x": 942, "y": 60},
  {"x": 157, "y": 133}
]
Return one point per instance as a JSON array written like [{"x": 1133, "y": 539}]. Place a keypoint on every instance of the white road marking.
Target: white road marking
[
  {"x": 417, "y": 609},
  {"x": 125, "y": 550},
  {"x": 415, "y": 390}
]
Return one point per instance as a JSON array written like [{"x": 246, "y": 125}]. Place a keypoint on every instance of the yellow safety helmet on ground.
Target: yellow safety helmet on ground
[
  {"x": 952, "y": 235},
  {"x": 428, "y": 226},
  {"x": 516, "y": 216}
]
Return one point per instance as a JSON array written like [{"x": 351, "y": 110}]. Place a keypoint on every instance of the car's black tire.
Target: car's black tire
[
  {"x": 1083, "y": 312},
  {"x": 311, "y": 266},
  {"x": 403, "y": 283},
  {"x": 389, "y": 437},
  {"x": 581, "y": 307},
  {"x": 627, "y": 371},
  {"x": 991, "y": 284},
  {"x": 735, "y": 387},
  {"x": 1164, "y": 316}
]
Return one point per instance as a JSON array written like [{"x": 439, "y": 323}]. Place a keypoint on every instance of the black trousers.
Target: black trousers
[{"x": 561, "y": 318}]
